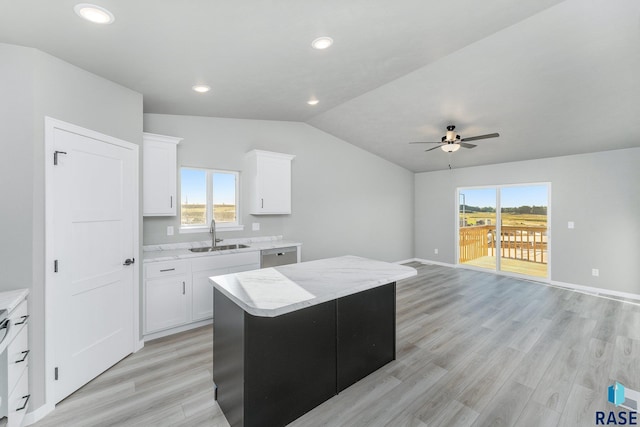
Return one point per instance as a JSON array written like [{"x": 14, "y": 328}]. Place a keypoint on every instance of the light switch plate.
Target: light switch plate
[
  {"x": 255, "y": 226},
  {"x": 571, "y": 224},
  {"x": 170, "y": 230}
]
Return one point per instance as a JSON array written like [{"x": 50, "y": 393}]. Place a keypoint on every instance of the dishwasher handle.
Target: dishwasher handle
[{"x": 279, "y": 251}]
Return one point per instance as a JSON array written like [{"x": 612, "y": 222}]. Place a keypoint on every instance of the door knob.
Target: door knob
[{"x": 129, "y": 261}]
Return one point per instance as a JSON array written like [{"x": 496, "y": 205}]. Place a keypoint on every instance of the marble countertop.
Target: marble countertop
[
  {"x": 271, "y": 292},
  {"x": 10, "y": 299},
  {"x": 173, "y": 251}
]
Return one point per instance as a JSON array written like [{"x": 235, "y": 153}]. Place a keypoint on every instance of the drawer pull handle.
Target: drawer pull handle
[
  {"x": 27, "y": 397},
  {"x": 167, "y": 269},
  {"x": 26, "y": 353},
  {"x": 184, "y": 288},
  {"x": 280, "y": 253},
  {"x": 24, "y": 320}
]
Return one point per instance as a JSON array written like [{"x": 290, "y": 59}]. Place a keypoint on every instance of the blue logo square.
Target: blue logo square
[{"x": 616, "y": 394}]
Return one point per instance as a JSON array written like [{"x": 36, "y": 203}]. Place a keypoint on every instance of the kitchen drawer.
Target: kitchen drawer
[
  {"x": 18, "y": 401},
  {"x": 166, "y": 268},
  {"x": 19, "y": 319},
  {"x": 17, "y": 358},
  {"x": 225, "y": 261}
]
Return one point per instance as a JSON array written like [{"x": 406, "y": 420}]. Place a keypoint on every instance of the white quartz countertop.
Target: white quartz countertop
[
  {"x": 169, "y": 252},
  {"x": 271, "y": 292},
  {"x": 10, "y": 299}
]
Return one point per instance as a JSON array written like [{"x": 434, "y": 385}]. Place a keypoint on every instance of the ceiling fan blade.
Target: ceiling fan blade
[
  {"x": 465, "y": 145},
  {"x": 475, "y": 138},
  {"x": 425, "y": 142},
  {"x": 434, "y": 147}
]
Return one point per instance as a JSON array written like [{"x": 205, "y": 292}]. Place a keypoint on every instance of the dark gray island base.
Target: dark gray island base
[
  {"x": 286, "y": 339},
  {"x": 268, "y": 371}
]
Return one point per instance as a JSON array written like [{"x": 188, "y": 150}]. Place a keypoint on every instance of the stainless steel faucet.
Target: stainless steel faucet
[{"x": 212, "y": 231}]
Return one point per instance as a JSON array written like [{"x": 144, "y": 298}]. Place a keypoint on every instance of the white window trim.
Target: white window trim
[{"x": 220, "y": 226}]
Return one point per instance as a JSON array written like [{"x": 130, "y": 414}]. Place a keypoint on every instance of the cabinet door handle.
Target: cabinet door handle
[
  {"x": 24, "y": 320},
  {"x": 25, "y": 353},
  {"x": 262, "y": 203},
  {"x": 27, "y": 397},
  {"x": 184, "y": 290},
  {"x": 170, "y": 201},
  {"x": 167, "y": 269}
]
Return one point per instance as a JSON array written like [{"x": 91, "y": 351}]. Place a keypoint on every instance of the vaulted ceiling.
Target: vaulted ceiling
[{"x": 552, "y": 77}]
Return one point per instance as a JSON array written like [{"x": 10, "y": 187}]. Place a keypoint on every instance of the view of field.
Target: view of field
[
  {"x": 480, "y": 218},
  {"x": 196, "y": 213}
]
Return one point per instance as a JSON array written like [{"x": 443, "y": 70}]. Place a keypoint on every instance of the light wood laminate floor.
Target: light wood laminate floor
[{"x": 473, "y": 348}]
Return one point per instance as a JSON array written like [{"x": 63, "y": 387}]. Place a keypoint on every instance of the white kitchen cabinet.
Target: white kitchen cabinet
[
  {"x": 14, "y": 366},
  {"x": 167, "y": 295},
  {"x": 204, "y": 267},
  {"x": 167, "y": 303},
  {"x": 269, "y": 179},
  {"x": 159, "y": 169},
  {"x": 178, "y": 293},
  {"x": 202, "y": 299}
]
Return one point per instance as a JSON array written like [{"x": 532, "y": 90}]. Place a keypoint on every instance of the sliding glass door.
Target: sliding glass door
[
  {"x": 504, "y": 228},
  {"x": 523, "y": 230},
  {"x": 477, "y": 219}
]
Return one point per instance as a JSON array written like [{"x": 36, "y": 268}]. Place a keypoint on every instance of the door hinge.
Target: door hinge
[
  {"x": 55, "y": 265},
  {"x": 55, "y": 373},
  {"x": 55, "y": 156}
]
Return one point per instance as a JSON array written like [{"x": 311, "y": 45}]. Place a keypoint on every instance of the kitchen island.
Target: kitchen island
[{"x": 288, "y": 338}]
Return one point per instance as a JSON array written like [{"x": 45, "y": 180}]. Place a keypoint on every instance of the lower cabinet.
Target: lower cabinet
[
  {"x": 14, "y": 361},
  {"x": 167, "y": 302},
  {"x": 178, "y": 293},
  {"x": 202, "y": 300}
]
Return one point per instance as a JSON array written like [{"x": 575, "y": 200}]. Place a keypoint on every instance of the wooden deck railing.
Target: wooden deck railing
[{"x": 516, "y": 242}]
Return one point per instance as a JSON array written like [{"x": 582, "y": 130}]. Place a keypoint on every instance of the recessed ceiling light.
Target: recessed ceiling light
[
  {"x": 322, "y": 43},
  {"x": 201, "y": 88},
  {"x": 313, "y": 102},
  {"x": 93, "y": 13}
]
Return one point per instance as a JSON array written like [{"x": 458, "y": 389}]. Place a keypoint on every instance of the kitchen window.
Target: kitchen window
[{"x": 207, "y": 194}]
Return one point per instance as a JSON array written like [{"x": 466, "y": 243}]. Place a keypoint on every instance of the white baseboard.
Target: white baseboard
[
  {"x": 586, "y": 289},
  {"x": 38, "y": 414},
  {"x": 172, "y": 331},
  {"x": 405, "y": 261},
  {"x": 427, "y": 261},
  {"x": 596, "y": 291}
]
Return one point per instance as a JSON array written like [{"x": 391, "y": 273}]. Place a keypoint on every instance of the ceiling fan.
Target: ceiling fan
[{"x": 451, "y": 141}]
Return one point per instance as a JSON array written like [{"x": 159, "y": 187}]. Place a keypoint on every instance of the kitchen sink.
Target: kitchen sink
[{"x": 218, "y": 248}]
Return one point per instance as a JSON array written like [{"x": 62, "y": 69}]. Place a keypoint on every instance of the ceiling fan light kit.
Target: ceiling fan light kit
[
  {"x": 450, "y": 147},
  {"x": 452, "y": 142}
]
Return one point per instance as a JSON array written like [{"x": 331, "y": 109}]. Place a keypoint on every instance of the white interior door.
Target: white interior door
[{"x": 93, "y": 192}]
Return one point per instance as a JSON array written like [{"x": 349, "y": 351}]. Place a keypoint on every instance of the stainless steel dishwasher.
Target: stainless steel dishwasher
[{"x": 278, "y": 256}]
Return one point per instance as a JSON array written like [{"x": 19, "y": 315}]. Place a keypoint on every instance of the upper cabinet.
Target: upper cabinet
[
  {"x": 269, "y": 178},
  {"x": 159, "y": 156}
]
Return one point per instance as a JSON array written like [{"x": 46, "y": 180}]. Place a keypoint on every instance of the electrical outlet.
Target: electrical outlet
[
  {"x": 255, "y": 226},
  {"x": 571, "y": 225},
  {"x": 170, "y": 230},
  {"x": 595, "y": 272},
  {"x": 435, "y": 251}
]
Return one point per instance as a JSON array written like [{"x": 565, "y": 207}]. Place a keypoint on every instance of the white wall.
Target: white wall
[
  {"x": 34, "y": 85},
  {"x": 345, "y": 200},
  {"x": 598, "y": 191}
]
